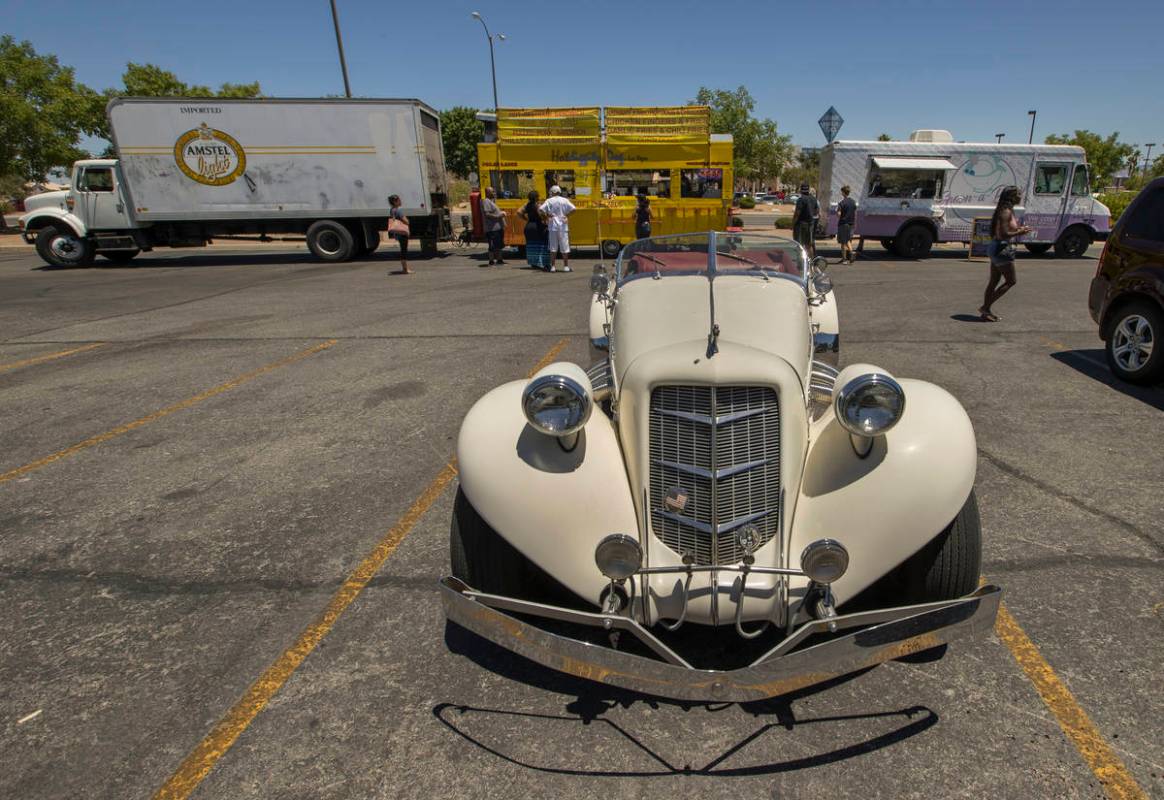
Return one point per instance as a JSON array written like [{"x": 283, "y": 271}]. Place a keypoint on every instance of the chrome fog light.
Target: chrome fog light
[
  {"x": 869, "y": 404},
  {"x": 824, "y": 561},
  {"x": 618, "y": 556},
  {"x": 557, "y": 405}
]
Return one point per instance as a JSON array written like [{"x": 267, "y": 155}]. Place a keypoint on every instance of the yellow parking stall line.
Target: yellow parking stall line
[
  {"x": 165, "y": 412},
  {"x": 1107, "y": 767},
  {"x": 28, "y": 362},
  {"x": 201, "y": 760}
]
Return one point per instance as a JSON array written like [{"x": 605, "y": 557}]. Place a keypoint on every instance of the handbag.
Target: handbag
[{"x": 397, "y": 227}]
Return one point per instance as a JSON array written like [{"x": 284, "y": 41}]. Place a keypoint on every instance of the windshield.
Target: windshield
[{"x": 712, "y": 252}]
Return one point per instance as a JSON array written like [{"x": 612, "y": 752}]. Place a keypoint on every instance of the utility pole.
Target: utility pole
[
  {"x": 1031, "y": 138},
  {"x": 998, "y": 137},
  {"x": 1148, "y": 157},
  {"x": 492, "y": 64},
  {"x": 339, "y": 43}
]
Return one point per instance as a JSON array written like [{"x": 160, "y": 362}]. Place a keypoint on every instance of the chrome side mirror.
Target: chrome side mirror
[
  {"x": 822, "y": 284},
  {"x": 599, "y": 282},
  {"x": 819, "y": 264}
]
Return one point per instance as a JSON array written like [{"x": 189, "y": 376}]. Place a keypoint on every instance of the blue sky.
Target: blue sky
[{"x": 973, "y": 68}]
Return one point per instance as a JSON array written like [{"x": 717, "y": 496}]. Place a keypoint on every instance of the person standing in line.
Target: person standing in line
[
  {"x": 643, "y": 217},
  {"x": 494, "y": 226},
  {"x": 536, "y": 235},
  {"x": 1004, "y": 229},
  {"x": 558, "y": 209},
  {"x": 395, "y": 212},
  {"x": 804, "y": 221},
  {"x": 846, "y": 218}
]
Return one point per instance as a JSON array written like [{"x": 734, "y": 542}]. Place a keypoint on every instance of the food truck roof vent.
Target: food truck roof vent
[{"x": 931, "y": 136}]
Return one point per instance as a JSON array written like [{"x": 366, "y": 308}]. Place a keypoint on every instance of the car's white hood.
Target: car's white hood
[{"x": 768, "y": 315}]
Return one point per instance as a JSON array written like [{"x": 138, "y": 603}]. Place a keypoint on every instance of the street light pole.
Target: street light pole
[
  {"x": 492, "y": 63},
  {"x": 1148, "y": 157},
  {"x": 339, "y": 43},
  {"x": 998, "y": 137},
  {"x": 1031, "y": 138}
]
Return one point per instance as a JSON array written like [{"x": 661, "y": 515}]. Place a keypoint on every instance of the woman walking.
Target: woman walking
[
  {"x": 398, "y": 230},
  {"x": 537, "y": 235},
  {"x": 643, "y": 218},
  {"x": 1004, "y": 228}
]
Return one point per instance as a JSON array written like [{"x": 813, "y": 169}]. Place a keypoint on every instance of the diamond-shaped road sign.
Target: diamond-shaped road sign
[{"x": 830, "y": 123}]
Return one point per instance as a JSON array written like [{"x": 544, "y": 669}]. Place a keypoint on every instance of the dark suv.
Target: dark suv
[{"x": 1127, "y": 293}]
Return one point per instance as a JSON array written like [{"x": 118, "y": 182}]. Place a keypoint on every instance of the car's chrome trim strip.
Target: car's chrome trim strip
[{"x": 723, "y": 472}]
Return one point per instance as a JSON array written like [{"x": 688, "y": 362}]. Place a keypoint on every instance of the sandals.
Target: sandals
[{"x": 987, "y": 316}]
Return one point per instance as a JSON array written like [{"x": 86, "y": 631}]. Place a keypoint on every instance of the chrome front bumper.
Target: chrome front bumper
[{"x": 884, "y": 634}]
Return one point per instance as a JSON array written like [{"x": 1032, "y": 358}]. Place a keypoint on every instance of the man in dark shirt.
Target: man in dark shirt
[
  {"x": 804, "y": 221},
  {"x": 846, "y": 218}
]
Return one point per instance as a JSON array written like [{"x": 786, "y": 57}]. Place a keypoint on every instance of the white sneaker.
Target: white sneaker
[
  {"x": 552, "y": 269},
  {"x": 567, "y": 269}
]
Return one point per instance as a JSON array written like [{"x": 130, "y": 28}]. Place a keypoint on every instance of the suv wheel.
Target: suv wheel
[
  {"x": 1073, "y": 242},
  {"x": 1132, "y": 351}
]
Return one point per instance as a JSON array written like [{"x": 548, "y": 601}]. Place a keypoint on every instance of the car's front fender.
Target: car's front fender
[
  {"x": 553, "y": 506},
  {"x": 885, "y": 507}
]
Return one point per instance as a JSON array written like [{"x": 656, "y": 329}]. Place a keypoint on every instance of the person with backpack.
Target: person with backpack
[{"x": 804, "y": 221}]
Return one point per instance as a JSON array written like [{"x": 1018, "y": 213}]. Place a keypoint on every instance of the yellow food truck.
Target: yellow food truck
[{"x": 666, "y": 153}]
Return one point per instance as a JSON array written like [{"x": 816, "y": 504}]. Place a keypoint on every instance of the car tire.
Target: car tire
[
  {"x": 120, "y": 256},
  {"x": 887, "y": 244},
  {"x": 1037, "y": 248},
  {"x": 611, "y": 248},
  {"x": 1134, "y": 325},
  {"x": 330, "y": 241},
  {"x": 948, "y": 567},
  {"x": 914, "y": 242},
  {"x": 1073, "y": 242},
  {"x": 480, "y": 557},
  {"x": 61, "y": 247}
]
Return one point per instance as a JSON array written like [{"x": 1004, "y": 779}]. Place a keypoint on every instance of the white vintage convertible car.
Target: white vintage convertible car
[{"x": 713, "y": 512}]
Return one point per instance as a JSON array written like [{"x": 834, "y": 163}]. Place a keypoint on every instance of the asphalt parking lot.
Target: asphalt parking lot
[{"x": 224, "y": 501}]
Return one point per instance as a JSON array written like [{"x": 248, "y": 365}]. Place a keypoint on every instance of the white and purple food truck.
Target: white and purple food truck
[{"x": 930, "y": 189}]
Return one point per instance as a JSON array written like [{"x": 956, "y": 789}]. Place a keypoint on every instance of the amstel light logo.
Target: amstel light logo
[{"x": 210, "y": 156}]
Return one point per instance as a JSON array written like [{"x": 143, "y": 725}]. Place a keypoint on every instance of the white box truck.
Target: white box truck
[
  {"x": 192, "y": 170},
  {"x": 930, "y": 189}
]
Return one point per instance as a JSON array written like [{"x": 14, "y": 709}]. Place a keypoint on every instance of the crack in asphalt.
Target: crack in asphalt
[{"x": 1071, "y": 500}]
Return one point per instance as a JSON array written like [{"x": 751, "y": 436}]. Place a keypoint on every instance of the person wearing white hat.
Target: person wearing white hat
[{"x": 558, "y": 208}]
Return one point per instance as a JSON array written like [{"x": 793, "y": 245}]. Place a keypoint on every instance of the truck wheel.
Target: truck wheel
[
  {"x": 120, "y": 256},
  {"x": 887, "y": 244},
  {"x": 61, "y": 247},
  {"x": 1133, "y": 349},
  {"x": 330, "y": 241},
  {"x": 1038, "y": 248},
  {"x": 948, "y": 567},
  {"x": 914, "y": 242},
  {"x": 482, "y": 558},
  {"x": 611, "y": 248},
  {"x": 1073, "y": 242}
]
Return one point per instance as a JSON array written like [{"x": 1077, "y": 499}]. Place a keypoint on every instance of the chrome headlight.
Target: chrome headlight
[
  {"x": 869, "y": 404},
  {"x": 558, "y": 400},
  {"x": 824, "y": 561},
  {"x": 618, "y": 556}
]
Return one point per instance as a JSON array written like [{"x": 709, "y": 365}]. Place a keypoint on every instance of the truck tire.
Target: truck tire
[
  {"x": 120, "y": 256},
  {"x": 914, "y": 242},
  {"x": 1073, "y": 242},
  {"x": 61, "y": 247},
  {"x": 330, "y": 241}
]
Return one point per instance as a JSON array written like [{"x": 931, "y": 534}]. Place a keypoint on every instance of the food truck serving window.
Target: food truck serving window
[
  {"x": 563, "y": 178},
  {"x": 921, "y": 184},
  {"x": 628, "y": 182},
  {"x": 512, "y": 183},
  {"x": 705, "y": 182}
]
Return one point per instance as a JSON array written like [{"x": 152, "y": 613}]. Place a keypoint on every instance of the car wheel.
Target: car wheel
[
  {"x": 1131, "y": 347},
  {"x": 887, "y": 244},
  {"x": 611, "y": 248},
  {"x": 481, "y": 558},
  {"x": 120, "y": 256},
  {"x": 1037, "y": 248},
  {"x": 61, "y": 247},
  {"x": 948, "y": 567},
  {"x": 1073, "y": 242},
  {"x": 330, "y": 241},
  {"x": 914, "y": 242}
]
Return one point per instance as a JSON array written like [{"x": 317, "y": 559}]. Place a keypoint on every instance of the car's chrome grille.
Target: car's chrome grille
[{"x": 715, "y": 467}]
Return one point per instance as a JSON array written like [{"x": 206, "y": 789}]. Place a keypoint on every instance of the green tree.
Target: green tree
[
  {"x": 460, "y": 133},
  {"x": 1105, "y": 155},
  {"x": 150, "y": 80},
  {"x": 884, "y": 137},
  {"x": 760, "y": 151},
  {"x": 41, "y": 111}
]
